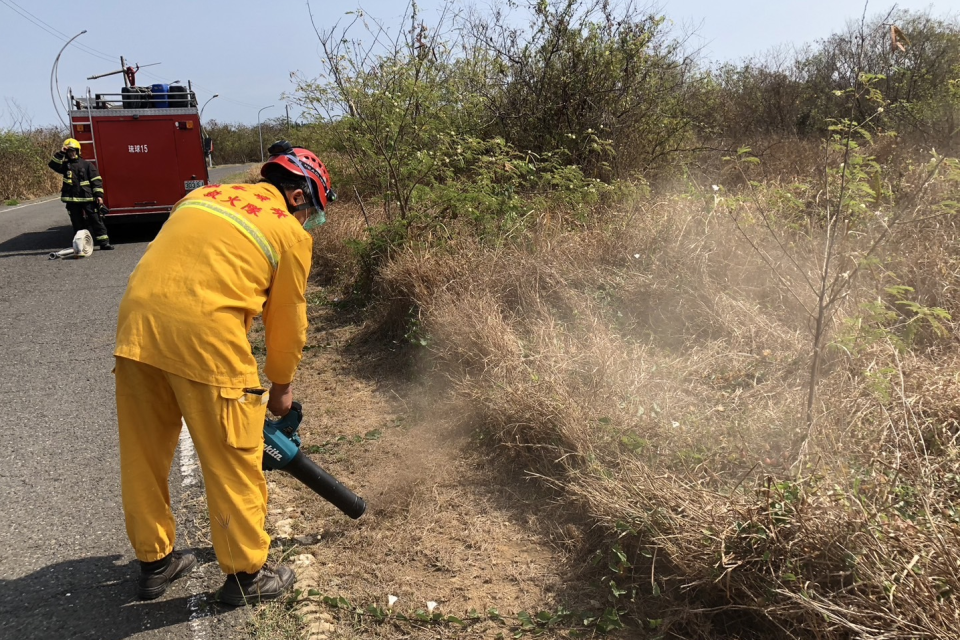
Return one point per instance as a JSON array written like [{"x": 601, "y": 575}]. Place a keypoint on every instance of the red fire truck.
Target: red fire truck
[{"x": 147, "y": 144}]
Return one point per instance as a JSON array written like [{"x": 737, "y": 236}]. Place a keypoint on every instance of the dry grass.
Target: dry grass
[
  {"x": 250, "y": 175},
  {"x": 24, "y": 157},
  {"x": 449, "y": 519},
  {"x": 334, "y": 262},
  {"x": 651, "y": 371}
]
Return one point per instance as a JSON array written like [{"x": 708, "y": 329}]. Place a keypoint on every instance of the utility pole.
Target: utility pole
[{"x": 288, "y": 120}]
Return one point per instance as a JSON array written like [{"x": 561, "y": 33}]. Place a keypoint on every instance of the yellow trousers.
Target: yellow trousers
[{"x": 226, "y": 426}]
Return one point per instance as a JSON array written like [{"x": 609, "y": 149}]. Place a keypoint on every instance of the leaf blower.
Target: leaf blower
[{"x": 281, "y": 450}]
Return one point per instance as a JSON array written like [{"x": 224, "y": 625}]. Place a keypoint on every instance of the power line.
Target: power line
[
  {"x": 81, "y": 46},
  {"x": 206, "y": 89},
  {"x": 28, "y": 18},
  {"x": 56, "y": 33},
  {"x": 203, "y": 88},
  {"x": 53, "y": 31}
]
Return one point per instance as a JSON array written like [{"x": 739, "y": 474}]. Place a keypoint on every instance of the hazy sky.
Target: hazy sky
[{"x": 244, "y": 50}]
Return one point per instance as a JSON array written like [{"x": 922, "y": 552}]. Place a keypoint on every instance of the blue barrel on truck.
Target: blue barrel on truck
[{"x": 160, "y": 96}]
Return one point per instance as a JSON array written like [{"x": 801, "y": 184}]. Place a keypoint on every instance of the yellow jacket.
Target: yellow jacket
[{"x": 227, "y": 254}]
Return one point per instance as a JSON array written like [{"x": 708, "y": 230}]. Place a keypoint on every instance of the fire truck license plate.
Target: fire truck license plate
[{"x": 190, "y": 185}]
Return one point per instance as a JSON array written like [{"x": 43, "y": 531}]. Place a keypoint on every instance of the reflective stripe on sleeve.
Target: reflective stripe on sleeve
[{"x": 251, "y": 231}]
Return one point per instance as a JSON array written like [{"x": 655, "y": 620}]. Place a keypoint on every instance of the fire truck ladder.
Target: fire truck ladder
[{"x": 88, "y": 122}]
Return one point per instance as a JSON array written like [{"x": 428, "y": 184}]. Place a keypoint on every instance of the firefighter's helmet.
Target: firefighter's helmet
[
  {"x": 303, "y": 162},
  {"x": 71, "y": 143}
]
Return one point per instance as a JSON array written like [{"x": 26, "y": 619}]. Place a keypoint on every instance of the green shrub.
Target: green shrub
[
  {"x": 440, "y": 132},
  {"x": 236, "y": 143}
]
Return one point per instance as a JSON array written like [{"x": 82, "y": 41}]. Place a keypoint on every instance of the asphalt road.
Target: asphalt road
[{"x": 66, "y": 567}]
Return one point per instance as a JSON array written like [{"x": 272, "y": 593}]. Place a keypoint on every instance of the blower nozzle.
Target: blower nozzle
[{"x": 281, "y": 450}]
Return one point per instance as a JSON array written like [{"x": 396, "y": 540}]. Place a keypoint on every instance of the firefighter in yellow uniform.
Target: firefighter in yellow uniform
[{"x": 227, "y": 254}]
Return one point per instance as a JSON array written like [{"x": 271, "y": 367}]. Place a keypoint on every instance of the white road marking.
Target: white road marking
[
  {"x": 188, "y": 477},
  {"x": 29, "y": 204},
  {"x": 196, "y": 614},
  {"x": 188, "y": 457}
]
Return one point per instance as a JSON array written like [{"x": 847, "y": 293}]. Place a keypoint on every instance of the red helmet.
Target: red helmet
[{"x": 303, "y": 162}]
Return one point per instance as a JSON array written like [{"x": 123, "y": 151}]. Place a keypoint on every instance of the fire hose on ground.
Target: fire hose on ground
[{"x": 82, "y": 247}]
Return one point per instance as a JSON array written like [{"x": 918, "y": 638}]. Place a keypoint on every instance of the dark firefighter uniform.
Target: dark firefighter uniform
[{"x": 81, "y": 187}]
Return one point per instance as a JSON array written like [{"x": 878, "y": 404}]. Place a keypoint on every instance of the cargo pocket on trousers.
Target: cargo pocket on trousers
[{"x": 241, "y": 416}]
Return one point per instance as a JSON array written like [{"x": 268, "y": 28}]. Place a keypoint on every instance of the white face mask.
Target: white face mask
[{"x": 314, "y": 220}]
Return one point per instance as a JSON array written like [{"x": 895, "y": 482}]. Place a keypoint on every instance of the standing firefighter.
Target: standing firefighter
[
  {"x": 227, "y": 254},
  {"x": 82, "y": 191}
]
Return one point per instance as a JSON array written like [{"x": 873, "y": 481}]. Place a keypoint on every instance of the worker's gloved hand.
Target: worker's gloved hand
[{"x": 281, "y": 399}]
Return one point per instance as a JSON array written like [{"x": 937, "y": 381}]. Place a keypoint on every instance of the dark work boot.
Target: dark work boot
[
  {"x": 252, "y": 588},
  {"x": 155, "y": 577},
  {"x": 106, "y": 246}
]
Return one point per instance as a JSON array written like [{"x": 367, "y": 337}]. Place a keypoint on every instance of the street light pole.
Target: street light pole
[
  {"x": 209, "y": 155},
  {"x": 216, "y": 95},
  {"x": 55, "y": 80},
  {"x": 260, "y": 129}
]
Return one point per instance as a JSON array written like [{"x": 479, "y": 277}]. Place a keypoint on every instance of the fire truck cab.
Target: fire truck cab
[{"x": 147, "y": 145}]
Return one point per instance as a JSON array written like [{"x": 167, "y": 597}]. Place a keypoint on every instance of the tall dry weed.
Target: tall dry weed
[
  {"x": 334, "y": 262},
  {"x": 23, "y": 158},
  {"x": 652, "y": 369}
]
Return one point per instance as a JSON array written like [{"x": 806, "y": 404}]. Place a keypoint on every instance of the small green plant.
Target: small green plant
[
  {"x": 276, "y": 621},
  {"x": 523, "y": 624},
  {"x": 893, "y": 318},
  {"x": 330, "y": 446},
  {"x": 12, "y": 202}
]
